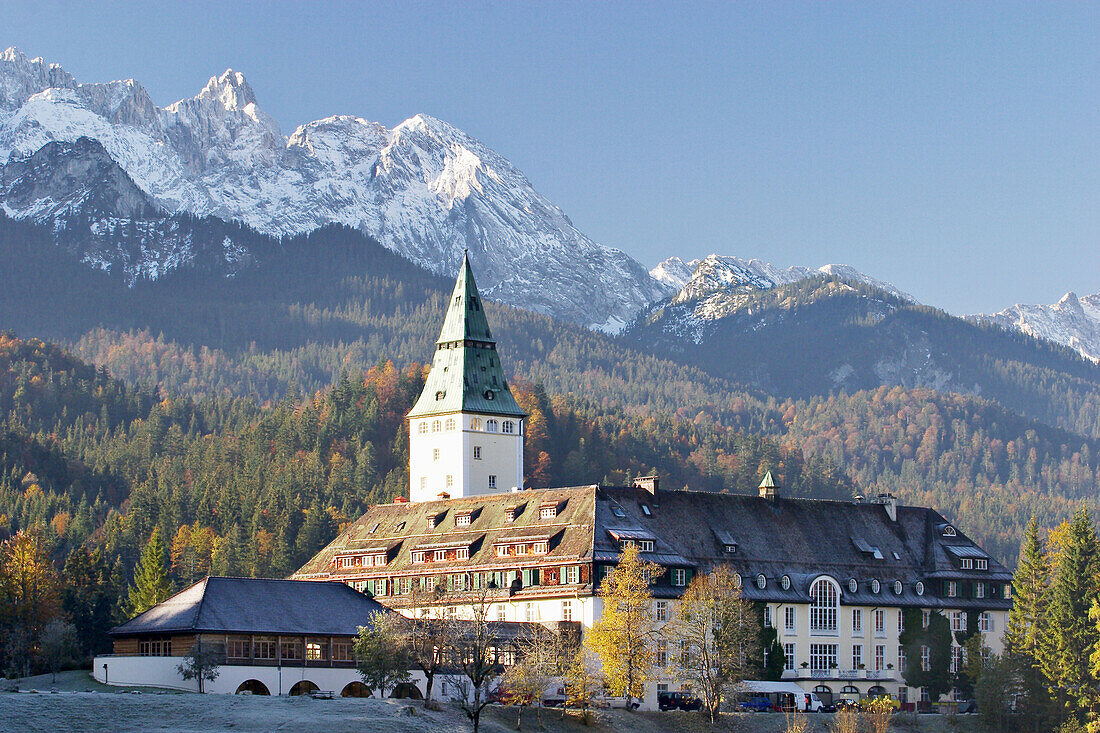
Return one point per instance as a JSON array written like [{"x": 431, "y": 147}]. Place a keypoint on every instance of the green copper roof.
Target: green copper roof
[{"x": 466, "y": 374}]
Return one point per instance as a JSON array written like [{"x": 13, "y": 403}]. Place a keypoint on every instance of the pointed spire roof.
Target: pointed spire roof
[
  {"x": 466, "y": 374},
  {"x": 768, "y": 482}
]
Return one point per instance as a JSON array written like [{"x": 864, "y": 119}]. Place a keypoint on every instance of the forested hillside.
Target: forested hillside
[{"x": 216, "y": 365}]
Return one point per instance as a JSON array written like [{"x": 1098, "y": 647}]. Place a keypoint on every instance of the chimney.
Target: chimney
[
  {"x": 768, "y": 488},
  {"x": 890, "y": 504},
  {"x": 649, "y": 483},
  {"x": 401, "y": 500}
]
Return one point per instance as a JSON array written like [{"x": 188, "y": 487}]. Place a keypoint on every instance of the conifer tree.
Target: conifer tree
[
  {"x": 1029, "y": 593},
  {"x": 150, "y": 577},
  {"x": 1070, "y": 638},
  {"x": 1026, "y": 626}
]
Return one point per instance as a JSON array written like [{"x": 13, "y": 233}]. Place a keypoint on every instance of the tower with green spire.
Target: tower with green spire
[{"x": 466, "y": 429}]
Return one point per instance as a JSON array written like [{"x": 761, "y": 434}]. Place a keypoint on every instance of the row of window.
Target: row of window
[
  {"x": 564, "y": 575},
  {"x": 490, "y": 426},
  {"x": 522, "y": 548},
  {"x": 422, "y": 556},
  {"x": 316, "y": 650},
  {"x": 957, "y": 618},
  {"x": 491, "y": 481}
]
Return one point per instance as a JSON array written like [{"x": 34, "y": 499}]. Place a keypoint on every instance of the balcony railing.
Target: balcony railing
[{"x": 846, "y": 674}]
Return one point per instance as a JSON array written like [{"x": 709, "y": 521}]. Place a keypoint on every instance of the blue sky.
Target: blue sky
[{"x": 948, "y": 148}]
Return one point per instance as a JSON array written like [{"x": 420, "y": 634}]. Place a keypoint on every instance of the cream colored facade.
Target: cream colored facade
[{"x": 463, "y": 454}]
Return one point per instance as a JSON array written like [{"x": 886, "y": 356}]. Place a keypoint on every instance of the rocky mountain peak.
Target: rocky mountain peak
[
  {"x": 230, "y": 89},
  {"x": 1072, "y": 322}
]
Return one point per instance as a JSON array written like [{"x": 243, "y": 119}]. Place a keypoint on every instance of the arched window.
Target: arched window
[
  {"x": 435, "y": 426},
  {"x": 491, "y": 426},
  {"x": 508, "y": 427},
  {"x": 761, "y": 581},
  {"x": 423, "y": 428},
  {"x": 475, "y": 424},
  {"x": 824, "y": 604},
  {"x": 449, "y": 425}
]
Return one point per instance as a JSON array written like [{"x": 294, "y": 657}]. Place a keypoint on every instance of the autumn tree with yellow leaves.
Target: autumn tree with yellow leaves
[{"x": 625, "y": 636}]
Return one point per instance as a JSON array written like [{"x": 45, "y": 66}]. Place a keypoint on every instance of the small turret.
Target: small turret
[{"x": 768, "y": 488}]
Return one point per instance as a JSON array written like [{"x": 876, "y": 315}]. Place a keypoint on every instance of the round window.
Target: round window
[
  {"x": 853, "y": 586},
  {"x": 489, "y": 394},
  {"x": 761, "y": 581},
  {"x": 737, "y": 579},
  {"x": 876, "y": 586},
  {"x": 897, "y": 587},
  {"x": 786, "y": 582},
  {"x": 920, "y": 587}
]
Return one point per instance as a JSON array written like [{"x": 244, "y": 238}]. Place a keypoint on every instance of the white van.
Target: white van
[{"x": 783, "y": 695}]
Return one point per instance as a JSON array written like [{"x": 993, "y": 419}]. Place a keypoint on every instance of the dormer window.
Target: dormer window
[
  {"x": 463, "y": 519},
  {"x": 948, "y": 531},
  {"x": 876, "y": 586},
  {"x": 853, "y": 585},
  {"x": 379, "y": 560},
  {"x": 981, "y": 564},
  {"x": 897, "y": 587},
  {"x": 967, "y": 563},
  {"x": 502, "y": 550},
  {"x": 729, "y": 549},
  {"x": 642, "y": 545},
  {"x": 510, "y": 513},
  {"x": 463, "y": 553},
  {"x": 785, "y": 582},
  {"x": 761, "y": 581},
  {"x": 548, "y": 510},
  {"x": 418, "y": 556},
  {"x": 440, "y": 556},
  {"x": 539, "y": 548},
  {"x": 618, "y": 511},
  {"x": 440, "y": 395}
]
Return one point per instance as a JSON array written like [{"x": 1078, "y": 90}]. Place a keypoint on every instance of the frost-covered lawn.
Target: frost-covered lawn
[{"x": 81, "y": 704}]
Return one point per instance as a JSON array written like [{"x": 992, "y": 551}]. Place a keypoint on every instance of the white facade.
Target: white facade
[{"x": 463, "y": 454}]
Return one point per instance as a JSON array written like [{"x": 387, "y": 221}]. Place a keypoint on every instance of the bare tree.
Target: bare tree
[
  {"x": 429, "y": 642},
  {"x": 202, "y": 663},
  {"x": 718, "y": 633},
  {"x": 541, "y": 656},
  {"x": 58, "y": 645},
  {"x": 583, "y": 682},
  {"x": 477, "y": 651}
]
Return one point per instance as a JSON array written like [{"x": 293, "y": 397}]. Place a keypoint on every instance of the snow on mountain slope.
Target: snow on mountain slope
[
  {"x": 425, "y": 189},
  {"x": 719, "y": 273},
  {"x": 1072, "y": 321}
]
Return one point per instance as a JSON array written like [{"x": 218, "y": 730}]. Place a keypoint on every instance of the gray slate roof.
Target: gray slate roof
[{"x": 257, "y": 606}]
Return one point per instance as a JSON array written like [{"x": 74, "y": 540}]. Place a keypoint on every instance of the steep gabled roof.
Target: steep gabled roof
[
  {"x": 257, "y": 606},
  {"x": 466, "y": 374}
]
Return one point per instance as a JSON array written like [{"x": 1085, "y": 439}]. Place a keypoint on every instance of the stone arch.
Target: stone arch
[
  {"x": 304, "y": 687},
  {"x": 850, "y": 692},
  {"x": 825, "y": 694},
  {"x": 406, "y": 691},
  {"x": 356, "y": 689},
  {"x": 252, "y": 687},
  {"x": 876, "y": 691}
]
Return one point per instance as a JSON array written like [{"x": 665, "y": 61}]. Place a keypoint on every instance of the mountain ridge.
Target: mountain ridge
[{"x": 424, "y": 188}]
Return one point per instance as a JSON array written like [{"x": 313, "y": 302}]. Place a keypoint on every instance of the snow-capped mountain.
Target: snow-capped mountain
[
  {"x": 424, "y": 188},
  {"x": 719, "y": 273},
  {"x": 1072, "y": 321}
]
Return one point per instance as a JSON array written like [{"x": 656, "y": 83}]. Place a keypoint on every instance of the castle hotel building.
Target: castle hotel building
[{"x": 834, "y": 577}]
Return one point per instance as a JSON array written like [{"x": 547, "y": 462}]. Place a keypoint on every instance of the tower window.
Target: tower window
[
  {"x": 491, "y": 426},
  {"x": 450, "y": 480},
  {"x": 492, "y": 481},
  {"x": 508, "y": 426},
  {"x": 449, "y": 425},
  {"x": 435, "y": 426},
  {"x": 477, "y": 452},
  {"x": 475, "y": 424},
  {"x": 435, "y": 454},
  {"x": 423, "y": 483},
  {"x": 422, "y": 428}
]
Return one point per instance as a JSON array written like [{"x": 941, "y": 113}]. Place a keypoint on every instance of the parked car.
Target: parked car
[
  {"x": 607, "y": 701},
  {"x": 844, "y": 703},
  {"x": 756, "y": 704},
  {"x": 678, "y": 701},
  {"x": 554, "y": 698}
]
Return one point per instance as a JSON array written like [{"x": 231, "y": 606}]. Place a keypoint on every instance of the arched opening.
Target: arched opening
[
  {"x": 356, "y": 689},
  {"x": 302, "y": 688},
  {"x": 876, "y": 691},
  {"x": 824, "y": 605},
  {"x": 849, "y": 693},
  {"x": 824, "y": 694},
  {"x": 253, "y": 687},
  {"x": 406, "y": 691}
]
